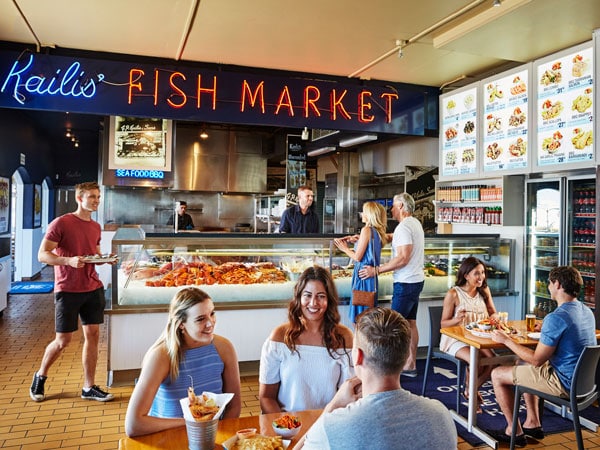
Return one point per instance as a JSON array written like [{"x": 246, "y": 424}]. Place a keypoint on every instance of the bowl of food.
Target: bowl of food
[
  {"x": 484, "y": 324},
  {"x": 287, "y": 426},
  {"x": 246, "y": 433}
]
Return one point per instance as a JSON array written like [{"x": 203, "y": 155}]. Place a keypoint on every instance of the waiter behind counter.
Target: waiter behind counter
[
  {"x": 184, "y": 220},
  {"x": 300, "y": 218}
]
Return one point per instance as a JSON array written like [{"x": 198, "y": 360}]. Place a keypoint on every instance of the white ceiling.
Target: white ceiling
[{"x": 336, "y": 37}]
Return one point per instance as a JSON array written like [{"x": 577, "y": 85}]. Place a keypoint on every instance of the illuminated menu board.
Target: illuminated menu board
[
  {"x": 505, "y": 122},
  {"x": 458, "y": 155},
  {"x": 564, "y": 111}
]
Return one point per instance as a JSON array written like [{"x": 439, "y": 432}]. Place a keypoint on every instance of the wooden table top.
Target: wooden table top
[
  {"x": 176, "y": 438},
  {"x": 463, "y": 335},
  {"x": 460, "y": 333}
]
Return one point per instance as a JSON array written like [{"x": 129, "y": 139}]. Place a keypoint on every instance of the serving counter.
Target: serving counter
[{"x": 251, "y": 278}]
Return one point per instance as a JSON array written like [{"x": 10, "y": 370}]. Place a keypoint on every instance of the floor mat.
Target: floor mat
[
  {"x": 31, "y": 287},
  {"x": 441, "y": 385}
]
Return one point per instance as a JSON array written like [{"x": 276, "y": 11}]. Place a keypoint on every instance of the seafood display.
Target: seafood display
[{"x": 201, "y": 273}]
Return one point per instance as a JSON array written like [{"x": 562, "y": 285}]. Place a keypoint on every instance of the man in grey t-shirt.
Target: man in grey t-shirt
[{"x": 372, "y": 410}]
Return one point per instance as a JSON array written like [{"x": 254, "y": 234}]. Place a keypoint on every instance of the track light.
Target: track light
[
  {"x": 358, "y": 140},
  {"x": 203, "y": 134},
  {"x": 321, "y": 151},
  {"x": 497, "y": 3}
]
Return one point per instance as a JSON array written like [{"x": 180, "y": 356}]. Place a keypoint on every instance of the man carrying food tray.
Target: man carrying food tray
[{"x": 72, "y": 246}]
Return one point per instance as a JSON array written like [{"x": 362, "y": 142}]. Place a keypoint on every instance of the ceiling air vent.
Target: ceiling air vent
[{"x": 317, "y": 134}]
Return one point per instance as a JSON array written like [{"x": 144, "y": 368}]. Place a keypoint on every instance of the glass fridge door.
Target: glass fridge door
[
  {"x": 543, "y": 244},
  {"x": 581, "y": 236}
]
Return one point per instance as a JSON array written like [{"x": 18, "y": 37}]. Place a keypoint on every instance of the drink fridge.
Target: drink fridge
[{"x": 561, "y": 230}]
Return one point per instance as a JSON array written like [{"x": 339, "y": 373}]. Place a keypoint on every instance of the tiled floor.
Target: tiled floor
[{"x": 66, "y": 421}]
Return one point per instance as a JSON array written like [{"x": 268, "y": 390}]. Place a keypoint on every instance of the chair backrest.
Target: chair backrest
[
  {"x": 584, "y": 376},
  {"x": 435, "y": 318}
]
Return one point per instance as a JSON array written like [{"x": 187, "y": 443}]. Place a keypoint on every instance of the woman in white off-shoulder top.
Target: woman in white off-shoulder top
[{"x": 304, "y": 361}]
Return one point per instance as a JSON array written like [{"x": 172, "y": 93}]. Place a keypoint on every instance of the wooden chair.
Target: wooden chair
[
  {"x": 582, "y": 394},
  {"x": 435, "y": 317}
]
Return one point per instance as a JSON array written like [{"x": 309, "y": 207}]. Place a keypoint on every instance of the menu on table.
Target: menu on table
[
  {"x": 564, "y": 109},
  {"x": 459, "y": 125},
  {"x": 504, "y": 122}
]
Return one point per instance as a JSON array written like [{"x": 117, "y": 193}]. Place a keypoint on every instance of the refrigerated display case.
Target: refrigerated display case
[{"x": 561, "y": 223}]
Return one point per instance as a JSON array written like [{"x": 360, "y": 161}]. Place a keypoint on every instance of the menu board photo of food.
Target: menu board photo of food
[
  {"x": 459, "y": 137},
  {"x": 505, "y": 130},
  {"x": 564, "y": 110}
]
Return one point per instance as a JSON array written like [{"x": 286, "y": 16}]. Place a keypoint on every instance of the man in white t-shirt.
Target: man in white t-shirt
[{"x": 408, "y": 258}]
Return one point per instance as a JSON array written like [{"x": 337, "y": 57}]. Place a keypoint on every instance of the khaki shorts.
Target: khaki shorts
[{"x": 541, "y": 378}]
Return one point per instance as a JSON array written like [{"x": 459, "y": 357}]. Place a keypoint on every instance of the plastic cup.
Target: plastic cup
[
  {"x": 201, "y": 435},
  {"x": 530, "y": 322}
]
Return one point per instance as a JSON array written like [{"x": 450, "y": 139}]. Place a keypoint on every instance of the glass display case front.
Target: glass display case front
[{"x": 250, "y": 268}]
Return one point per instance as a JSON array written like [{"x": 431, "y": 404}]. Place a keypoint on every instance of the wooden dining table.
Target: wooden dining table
[
  {"x": 176, "y": 438},
  {"x": 476, "y": 343}
]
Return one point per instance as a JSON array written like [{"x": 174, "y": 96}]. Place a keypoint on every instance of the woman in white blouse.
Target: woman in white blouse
[{"x": 304, "y": 361}]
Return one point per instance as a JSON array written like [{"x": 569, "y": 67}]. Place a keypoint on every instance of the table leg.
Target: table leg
[{"x": 473, "y": 365}]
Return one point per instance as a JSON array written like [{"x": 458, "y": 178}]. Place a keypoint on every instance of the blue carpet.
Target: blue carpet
[
  {"x": 31, "y": 287},
  {"x": 442, "y": 386}
]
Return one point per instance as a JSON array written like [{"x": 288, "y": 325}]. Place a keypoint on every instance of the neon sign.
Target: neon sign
[
  {"x": 139, "y": 173},
  {"x": 208, "y": 93},
  {"x": 67, "y": 84}
]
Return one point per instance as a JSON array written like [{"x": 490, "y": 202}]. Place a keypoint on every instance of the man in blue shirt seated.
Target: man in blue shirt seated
[
  {"x": 184, "y": 220},
  {"x": 300, "y": 218},
  {"x": 550, "y": 366}
]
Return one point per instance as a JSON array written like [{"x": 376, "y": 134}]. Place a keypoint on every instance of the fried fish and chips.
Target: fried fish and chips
[{"x": 202, "y": 407}]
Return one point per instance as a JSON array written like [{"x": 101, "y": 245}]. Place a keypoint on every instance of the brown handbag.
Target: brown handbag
[{"x": 363, "y": 298}]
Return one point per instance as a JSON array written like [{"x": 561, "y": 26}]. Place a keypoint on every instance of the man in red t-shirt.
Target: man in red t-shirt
[{"x": 78, "y": 291}]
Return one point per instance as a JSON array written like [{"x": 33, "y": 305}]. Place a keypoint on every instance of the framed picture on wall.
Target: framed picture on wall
[
  {"x": 37, "y": 205},
  {"x": 140, "y": 144},
  {"x": 4, "y": 204}
]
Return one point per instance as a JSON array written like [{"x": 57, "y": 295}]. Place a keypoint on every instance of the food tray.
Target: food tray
[
  {"x": 228, "y": 444},
  {"x": 100, "y": 259},
  {"x": 479, "y": 333}
]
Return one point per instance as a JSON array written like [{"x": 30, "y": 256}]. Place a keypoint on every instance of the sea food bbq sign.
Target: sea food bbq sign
[{"x": 187, "y": 92}]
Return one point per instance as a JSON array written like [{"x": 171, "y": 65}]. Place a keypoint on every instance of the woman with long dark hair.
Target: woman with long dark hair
[
  {"x": 305, "y": 360},
  {"x": 469, "y": 298}
]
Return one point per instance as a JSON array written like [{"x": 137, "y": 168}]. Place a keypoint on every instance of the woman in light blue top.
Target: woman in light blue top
[
  {"x": 188, "y": 353},
  {"x": 367, "y": 250}
]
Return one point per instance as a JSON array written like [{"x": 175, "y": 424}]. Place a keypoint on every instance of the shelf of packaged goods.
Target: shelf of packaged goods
[
  {"x": 547, "y": 249},
  {"x": 546, "y": 268},
  {"x": 585, "y": 215},
  {"x": 541, "y": 295},
  {"x": 583, "y": 245}
]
